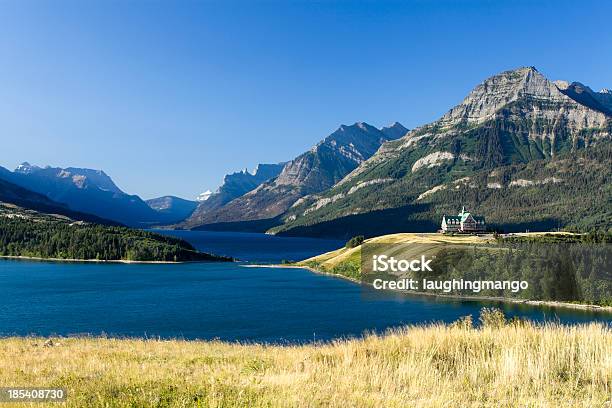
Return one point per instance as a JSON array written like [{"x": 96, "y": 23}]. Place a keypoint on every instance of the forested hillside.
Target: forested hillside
[
  {"x": 31, "y": 234},
  {"x": 519, "y": 150},
  {"x": 572, "y": 191}
]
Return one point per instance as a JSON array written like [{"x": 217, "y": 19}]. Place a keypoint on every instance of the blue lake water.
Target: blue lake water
[
  {"x": 259, "y": 248},
  {"x": 219, "y": 300}
]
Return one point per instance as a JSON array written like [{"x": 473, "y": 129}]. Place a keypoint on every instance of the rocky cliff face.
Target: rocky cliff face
[
  {"x": 311, "y": 172},
  {"x": 512, "y": 118},
  {"x": 327, "y": 162},
  {"x": 536, "y": 98},
  {"x": 71, "y": 176}
]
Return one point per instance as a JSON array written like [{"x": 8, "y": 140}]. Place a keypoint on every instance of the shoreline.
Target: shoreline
[
  {"x": 545, "y": 303},
  {"x": 71, "y": 260},
  {"x": 537, "y": 303}
]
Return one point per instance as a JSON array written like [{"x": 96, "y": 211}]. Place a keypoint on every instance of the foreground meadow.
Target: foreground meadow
[{"x": 499, "y": 364}]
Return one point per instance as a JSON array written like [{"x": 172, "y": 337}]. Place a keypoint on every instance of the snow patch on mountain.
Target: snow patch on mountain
[
  {"x": 204, "y": 196},
  {"x": 26, "y": 168}
]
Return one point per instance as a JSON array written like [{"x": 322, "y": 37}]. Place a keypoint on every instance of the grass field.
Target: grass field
[
  {"x": 345, "y": 255},
  {"x": 498, "y": 365},
  {"x": 347, "y": 261}
]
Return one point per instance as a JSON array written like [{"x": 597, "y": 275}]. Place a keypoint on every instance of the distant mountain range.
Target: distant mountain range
[
  {"x": 521, "y": 150},
  {"x": 17, "y": 196},
  {"x": 234, "y": 185},
  {"x": 174, "y": 209},
  {"x": 86, "y": 191},
  {"x": 312, "y": 172}
]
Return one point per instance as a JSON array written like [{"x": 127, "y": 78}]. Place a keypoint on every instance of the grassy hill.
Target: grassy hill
[
  {"x": 558, "y": 267},
  {"x": 506, "y": 364},
  {"x": 347, "y": 261}
]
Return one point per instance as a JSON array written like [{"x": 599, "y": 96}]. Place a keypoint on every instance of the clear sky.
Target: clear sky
[{"x": 167, "y": 97}]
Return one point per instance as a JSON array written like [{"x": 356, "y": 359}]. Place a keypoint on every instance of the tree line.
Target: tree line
[{"x": 63, "y": 240}]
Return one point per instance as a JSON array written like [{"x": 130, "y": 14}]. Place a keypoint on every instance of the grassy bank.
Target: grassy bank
[
  {"x": 561, "y": 269},
  {"x": 511, "y": 364},
  {"x": 346, "y": 261}
]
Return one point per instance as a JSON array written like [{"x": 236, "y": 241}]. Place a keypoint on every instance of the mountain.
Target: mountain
[
  {"x": 605, "y": 98},
  {"x": 394, "y": 131},
  {"x": 85, "y": 190},
  {"x": 176, "y": 209},
  {"x": 519, "y": 149},
  {"x": 14, "y": 195},
  {"x": 204, "y": 196},
  {"x": 313, "y": 171},
  {"x": 600, "y": 101},
  {"x": 234, "y": 185}
]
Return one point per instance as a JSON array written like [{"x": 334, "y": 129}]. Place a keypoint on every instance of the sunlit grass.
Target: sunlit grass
[
  {"x": 516, "y": 364},
  {"x": 343, "y": 256}
]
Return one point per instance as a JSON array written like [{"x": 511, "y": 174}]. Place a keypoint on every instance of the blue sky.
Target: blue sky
[{"x": 167, "y": 97}]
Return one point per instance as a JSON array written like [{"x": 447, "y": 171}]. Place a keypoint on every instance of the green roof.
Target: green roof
[{"x": 463, "y": 215}]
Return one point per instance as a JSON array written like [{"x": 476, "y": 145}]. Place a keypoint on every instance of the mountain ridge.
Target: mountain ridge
[
  {"x": 315, "y": 170},
  {"x": 15, "y": 195},
  {"x": 175, "y": 209},
  {"x": 87, "y": 191},
  {"x": 234, "y": 185},
  {"x": 510, "y": 119}
]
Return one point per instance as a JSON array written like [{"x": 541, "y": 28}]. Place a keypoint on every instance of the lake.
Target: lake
[
  {"x": 260, "y": 248},
  {"x": 220, "y": 300}
]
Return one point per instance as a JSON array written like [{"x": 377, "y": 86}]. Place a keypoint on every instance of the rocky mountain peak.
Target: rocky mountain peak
[
  {"x": 204, "y": 196},
  {"x": 345, "y": 135},
  {"x": 265, "y": 171},
  {"x": 604, "y": 97},
  {"x": 311, "y": 172},
  {"x": 586, "y": 96},
  {"x": 26, "y": 168},
  {"x": 483, "y": 102},
  {"x": 351, "y": 128},
  {"x": 526, "y": 84},
  {"x": 79, "y": 177},
  {"x": 97, "y": 178},
  {"x": 394, "y": 131},
  {"x": 172, "y": 208}
]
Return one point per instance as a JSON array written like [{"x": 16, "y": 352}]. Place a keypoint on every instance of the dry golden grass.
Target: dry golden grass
[
  {"x": 423, "y": 244},
  {"x": 435, "y": 366},
  {"x": 421, "y": 240}
]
